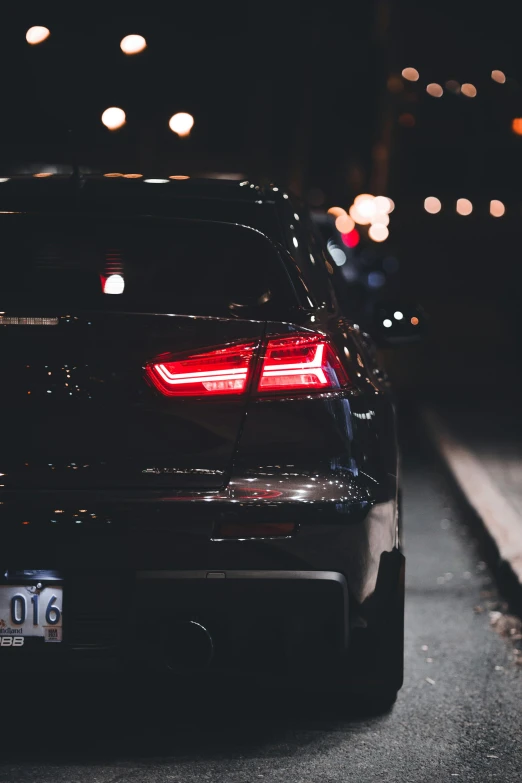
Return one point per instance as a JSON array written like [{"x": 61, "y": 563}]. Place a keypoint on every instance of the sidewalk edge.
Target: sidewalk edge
[{"x": 499, "y": 519}]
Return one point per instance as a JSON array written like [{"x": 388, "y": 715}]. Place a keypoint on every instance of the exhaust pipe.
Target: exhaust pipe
[{"x": 188, "y": 645}]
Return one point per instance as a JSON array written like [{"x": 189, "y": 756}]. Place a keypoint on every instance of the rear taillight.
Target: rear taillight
[
  {"x": 302, "y": 362},
  {"x": 221, "y": 371}
]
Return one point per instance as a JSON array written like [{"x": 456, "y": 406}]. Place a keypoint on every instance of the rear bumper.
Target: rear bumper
[
  {"x": 271, "y": 622},
  {"x": 134, "y": 563}
]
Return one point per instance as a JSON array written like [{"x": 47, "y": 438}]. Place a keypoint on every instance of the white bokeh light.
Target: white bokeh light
[
  {"x": 114, "y": 284},
  {"x": 37, "y": 34},
  {"x": 113, "y": 118},
  {"x": 181, "y": 123},
  {"x": 133, "y": 44}
]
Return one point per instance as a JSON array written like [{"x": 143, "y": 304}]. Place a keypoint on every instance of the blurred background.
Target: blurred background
[{"x": 421, "y": 103}]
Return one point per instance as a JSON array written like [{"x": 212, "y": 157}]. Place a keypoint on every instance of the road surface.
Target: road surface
[{"x": 458, "y": 717}]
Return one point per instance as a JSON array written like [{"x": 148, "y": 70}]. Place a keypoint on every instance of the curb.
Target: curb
[{"x": 500, "y": 521}]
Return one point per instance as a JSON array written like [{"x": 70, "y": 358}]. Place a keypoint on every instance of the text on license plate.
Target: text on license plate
[{"x": 26, "y": 611}]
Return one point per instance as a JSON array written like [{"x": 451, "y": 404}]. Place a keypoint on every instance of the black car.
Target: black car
[{"x": 198, "y": 450}]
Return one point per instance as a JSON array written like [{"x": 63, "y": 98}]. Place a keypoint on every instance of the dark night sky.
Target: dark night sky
[{"x": 282, "y": 92}]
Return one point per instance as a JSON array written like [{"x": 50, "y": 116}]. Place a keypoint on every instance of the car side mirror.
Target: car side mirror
[{"x": 398, "y": 322}]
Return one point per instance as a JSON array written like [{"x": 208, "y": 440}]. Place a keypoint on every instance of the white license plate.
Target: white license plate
[{"x": 27, "y": 611}]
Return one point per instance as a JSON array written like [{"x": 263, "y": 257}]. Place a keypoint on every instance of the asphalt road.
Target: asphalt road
[{"x": 457, "y": 718}]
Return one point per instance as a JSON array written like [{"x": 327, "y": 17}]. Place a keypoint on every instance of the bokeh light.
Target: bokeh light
[
  {"x": 432, "y": 205},
  {"x": 464, "y": 206},
  {"x": 36, "y": 35},
  {"x": 133, "y": 44},
  {"x": 114, "y": 284},
  {"x": 382, "y": 218},
  {"x": 336, "y": 211},
  {"x": 410, "y": 74},
  {"x": 351, "y": 239},
  {"x": 113, "y": 118},
  {"x": 516, "y": 126},
  {"x": 406, "y": 119},
  {"x": 414, "y": 321},
  {"x": 344, "y": 224},
  {"x": 133, "y": 176},
  {"x": 181, "y": 123},
  {"x": 383, "y": 204},
  {"x": 498, "y": 76},
  {"x": 179, "y": 176},
  {"x": 469, "y": 90},
  {"x": 496, "y": 208},
  {"x": 378, "y": 233},
  {"x": 453, "y": 86},
  {"x": 435, "y": 90},
  {"x": 113, "y": 174},
  {"x": 365, "y": 205},
  {"x": 357, "y": 217}
]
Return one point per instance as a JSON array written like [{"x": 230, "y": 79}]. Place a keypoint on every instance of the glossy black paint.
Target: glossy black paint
[{"x": 113, "y": 479}]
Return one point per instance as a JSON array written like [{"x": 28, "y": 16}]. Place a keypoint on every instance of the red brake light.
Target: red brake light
[
  {"x": 301, "y": 362},
  {"x": 222, "y": 371}
]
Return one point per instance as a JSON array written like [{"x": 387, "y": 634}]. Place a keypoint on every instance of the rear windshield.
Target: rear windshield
[{"x": 143, "y": 264}]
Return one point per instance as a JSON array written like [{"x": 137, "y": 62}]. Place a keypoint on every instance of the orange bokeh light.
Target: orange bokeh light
[{"x": 516, "y": 126}]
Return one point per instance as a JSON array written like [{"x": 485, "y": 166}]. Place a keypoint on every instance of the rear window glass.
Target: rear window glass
[{"x": 140, "y": 264}]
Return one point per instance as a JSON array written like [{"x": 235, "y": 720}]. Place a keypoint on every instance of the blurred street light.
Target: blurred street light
[
  {"x": 337, "y": 211},
  {"x": 133, "y": 176},
  {"x": 181, "y": 123},
  {"x": 378, "y": 233},
  {"x": 453, "y": 86},
  {"x": 383, "y": 204},
  {"x": 113, "y": 118},
  {"x": 36, "y": 35},
  {"x": 179, "y": 176},
  {"x": 344, "y": 224},
  {"x": 516, "y": 126},
  {"x": 382, "y": 218},
  {"x": 432, "y": 205},
  {"x": 406, "y": 119},
  {"x": 365, "y": 205},
  {"x": 133, "y": 44},
  {"x": 498, "y": 76},
  {"x": 496, "y": 208},
  {"x": 435, "y": 90},
  {"x": 410, "y": 74},
  {"x": 464, "y": 206},
  {"x": 351, "y": 239},
  {"x": 469, "y": 90},
  {"x": 156, "y": 181},
  {"x": 356, "y": 215}
]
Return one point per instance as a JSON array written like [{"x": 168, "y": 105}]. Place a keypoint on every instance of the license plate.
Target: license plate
[{"x": 26, "y": 611}]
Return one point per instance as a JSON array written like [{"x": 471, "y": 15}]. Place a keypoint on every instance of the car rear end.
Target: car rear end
[{"x": 179, "y": 470}]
